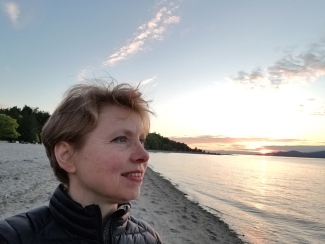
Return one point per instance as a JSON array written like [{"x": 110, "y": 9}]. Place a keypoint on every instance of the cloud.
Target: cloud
[
  {"x": 319, "y": 110},
  {"x": 304, "y": 67},
  {"x": 225, "y": 140},
  {"x": 247, "y": 144},
  {"x": 313, "y": 107},
  {"x": 300, "y": 148},
  {"x": 81, "y": 75},
  {"x": 4, "y": 106},
  {"x": 13, "y": 11},
  {"x": 318, "y": 114},
  {"x": 92, "y": 74},
  {"x": 152, "y": 30},
  {"x": 148, "y": 80}
]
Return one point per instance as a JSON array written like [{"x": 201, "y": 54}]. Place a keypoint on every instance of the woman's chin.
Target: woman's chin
[{"x": 131, "y": 197}]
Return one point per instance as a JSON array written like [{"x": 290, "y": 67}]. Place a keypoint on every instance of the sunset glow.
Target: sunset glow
[{"x": 264, "y": 151}]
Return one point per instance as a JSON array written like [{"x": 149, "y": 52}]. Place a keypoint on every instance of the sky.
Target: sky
[{"x": 235, "y": 75}]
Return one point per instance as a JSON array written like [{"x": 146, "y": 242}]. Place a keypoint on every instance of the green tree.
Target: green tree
[
  {"x": 30, "y": 121},
  {"x": 13, "y": 112},
  {"x": 155, "y": 141},
  {"x": 28, "y": 126},
  {"x": 8, "y": 128},
  {"x": 166, "y": 147},
  {"x": 41, "y": 118},
  {"x": 151, "y": 142}
]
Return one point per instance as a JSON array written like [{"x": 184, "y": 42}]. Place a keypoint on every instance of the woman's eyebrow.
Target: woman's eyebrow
[
  {"x": 128, "y": 132},
  {"x": 132, "y": 133}
]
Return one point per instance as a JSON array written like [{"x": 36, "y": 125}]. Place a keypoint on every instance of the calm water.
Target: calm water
[{"x": 267, "y": 199}]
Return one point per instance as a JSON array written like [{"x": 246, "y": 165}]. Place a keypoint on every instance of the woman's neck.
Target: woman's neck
[{"x": 86, "y": 199}]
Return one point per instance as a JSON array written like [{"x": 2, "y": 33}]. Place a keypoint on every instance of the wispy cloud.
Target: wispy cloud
[
  {"x": 249, "y": 144},
  {"x": 303, "y": 67},
  {"x": 12, "y": 10},
  {"x": 81, "y": 76},
  {"x": 144, "y": 82},
  {"x": 320, "y": 111},
  {"x": 234, "y": 144},
  {"x": 318, "y": 114},
  {"x": 301, "y": 148},
  {"x": 226, "y": 140},
  {"x": 152, "y": 30},
  {"x": 313, "y": 106},
  {"x": 93, "y": 74}
]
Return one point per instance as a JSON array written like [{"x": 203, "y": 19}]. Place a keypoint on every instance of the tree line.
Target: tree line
[
  {"x": 23, "y": 125},
  {"x": 155, "y": 141}
]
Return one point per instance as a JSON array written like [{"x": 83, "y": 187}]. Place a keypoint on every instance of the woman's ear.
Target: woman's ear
[{"x": 64, "y": 156}]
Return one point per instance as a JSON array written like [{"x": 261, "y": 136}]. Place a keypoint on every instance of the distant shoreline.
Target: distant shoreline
[{"x": 296, "y": 154}]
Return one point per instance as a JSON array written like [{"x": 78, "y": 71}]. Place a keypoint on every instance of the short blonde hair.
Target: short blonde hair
[{"x": 78, "y": 112}]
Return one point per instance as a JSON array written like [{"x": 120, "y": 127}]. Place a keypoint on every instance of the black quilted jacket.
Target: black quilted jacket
[{"x": 66, "y": 221}]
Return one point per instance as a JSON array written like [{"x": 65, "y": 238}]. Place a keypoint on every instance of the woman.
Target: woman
[{"x": 94, "y": 141}]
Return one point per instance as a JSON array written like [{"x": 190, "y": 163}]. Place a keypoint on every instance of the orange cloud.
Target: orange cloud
[
  {"x": 232, "y": 144},
  {"x": 225, "y": 140}
]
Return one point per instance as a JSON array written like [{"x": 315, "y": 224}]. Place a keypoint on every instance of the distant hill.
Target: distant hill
[{"x": 320, "y": 154}]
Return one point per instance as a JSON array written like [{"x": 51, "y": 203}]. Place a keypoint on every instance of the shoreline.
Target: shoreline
[{"x": 176, "y": 218}]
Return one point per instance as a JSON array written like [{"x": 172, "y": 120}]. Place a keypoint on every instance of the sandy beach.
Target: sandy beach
[{"x": 27, "y": 181}]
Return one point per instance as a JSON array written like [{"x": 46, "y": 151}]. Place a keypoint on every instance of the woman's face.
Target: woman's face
[{"x": 111, "y": 164}]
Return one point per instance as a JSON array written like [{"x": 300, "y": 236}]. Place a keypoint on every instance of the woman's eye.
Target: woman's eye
[
  {"x": 120, "y": 139},
  {"x": 142, "y": 141}
]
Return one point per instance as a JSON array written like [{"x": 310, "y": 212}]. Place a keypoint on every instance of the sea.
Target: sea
[{"x": 265, "y": 199}]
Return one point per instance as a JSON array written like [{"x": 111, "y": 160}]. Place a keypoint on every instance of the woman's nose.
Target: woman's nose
[{"x": 140, "y": 155}]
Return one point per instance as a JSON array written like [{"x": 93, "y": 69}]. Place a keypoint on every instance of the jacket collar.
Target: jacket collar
[{"x": 85, "y": 222}]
